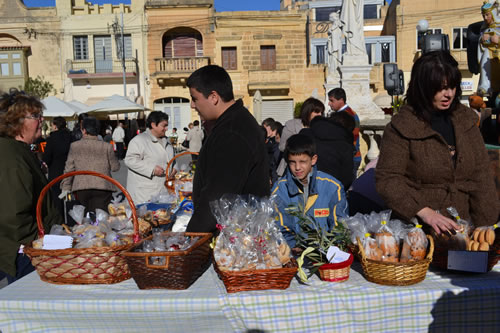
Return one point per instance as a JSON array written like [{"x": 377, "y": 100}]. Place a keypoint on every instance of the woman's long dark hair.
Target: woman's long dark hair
[{"x": 431, "y": 73}]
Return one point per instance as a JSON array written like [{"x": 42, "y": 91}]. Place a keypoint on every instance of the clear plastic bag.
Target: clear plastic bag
[
  {"x": 77, "y": 213},
  {"x": 414, "y": 244}
]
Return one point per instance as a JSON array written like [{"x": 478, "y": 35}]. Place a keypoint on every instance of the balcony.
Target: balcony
[
  {"x": 178, "y": 68},
  {"x": 267, "y": 80},
  {"x": 91, "y": 68}
]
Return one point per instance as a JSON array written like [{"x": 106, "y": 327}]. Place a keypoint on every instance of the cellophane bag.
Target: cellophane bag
[
  {"x": 249, "y": 238},
  {"x": 460, "y": 240},
  {"x": 414, "y": 244}
]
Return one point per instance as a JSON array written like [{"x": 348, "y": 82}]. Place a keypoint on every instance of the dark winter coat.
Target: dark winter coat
[
  {"x": 335, "y": 149},
  {"x": 233, "y": 159},
  {"x": 415, "y": 169},
  {"x": 56, "y": 152},
  {"x": 21, "y": 181}
]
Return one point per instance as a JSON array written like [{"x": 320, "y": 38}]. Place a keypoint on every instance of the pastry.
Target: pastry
[
  {"x": 490, "y": 236},
  {"x": 484, "y": 247},
  {"x": 475, "y": 246}
]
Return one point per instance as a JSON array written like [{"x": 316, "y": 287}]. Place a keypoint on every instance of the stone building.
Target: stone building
[{"x": 447, "y": 17}]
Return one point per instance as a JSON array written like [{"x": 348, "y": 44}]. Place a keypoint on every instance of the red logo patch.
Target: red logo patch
[{"x": 321, "y": 212}]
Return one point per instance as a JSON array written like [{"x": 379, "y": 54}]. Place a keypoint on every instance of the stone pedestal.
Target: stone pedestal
[{"x": 356, "y": 83}]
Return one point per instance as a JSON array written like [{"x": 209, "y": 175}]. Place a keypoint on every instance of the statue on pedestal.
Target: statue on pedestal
[
  {"x": 352, "y": 20},
  {"x": 489, "y": 50},
  {"x": 334, "y": 45}
]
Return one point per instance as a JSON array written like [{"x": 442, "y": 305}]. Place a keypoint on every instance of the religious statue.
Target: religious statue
[
  {"x": 352, "y": 22},
  {"x": 489, "y": 50},
  {"x": 334, "y": 46}
]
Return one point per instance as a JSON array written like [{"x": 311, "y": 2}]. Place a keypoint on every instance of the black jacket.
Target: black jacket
[
  {"x": 233, "y": 159},
  {"x": 334, "y": 147},
  {"x": 56, "y": 152}
]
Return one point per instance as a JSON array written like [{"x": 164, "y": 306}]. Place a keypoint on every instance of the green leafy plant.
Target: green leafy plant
[
  {"x": 315, "y": 240},
  {"x": 397, "y": 103},
  {"x": 296, "y": 110},
  {"x": 39, "y": 87}
]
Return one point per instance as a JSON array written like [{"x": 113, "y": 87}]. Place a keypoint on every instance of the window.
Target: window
[
  {"x": 386, "y": 52},
  {"x": 80, "y": 47},
  {"x": 16, "y": 68},
  {"x": 459, "y": 38},
  {"x": 268, "y": 57},
  {"x": 119, "y": 46},
  {"x": 5, "y": 69},
  {"x": 430, "y": 31},
  {"x": 370, "y": 12},
  {"x": 323, "y": 13},
  {"x": 320, "y": 54},
  {"x": 229, "y": 58}
]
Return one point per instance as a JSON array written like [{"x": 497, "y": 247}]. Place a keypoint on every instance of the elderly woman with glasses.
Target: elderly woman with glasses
[{"x": 21, "y": 181}]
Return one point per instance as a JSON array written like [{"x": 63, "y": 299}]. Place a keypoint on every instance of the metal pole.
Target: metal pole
[{"x": 123, "y": 62}]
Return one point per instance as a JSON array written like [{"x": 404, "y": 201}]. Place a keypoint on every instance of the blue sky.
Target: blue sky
[{"x": 220, "y": 5}]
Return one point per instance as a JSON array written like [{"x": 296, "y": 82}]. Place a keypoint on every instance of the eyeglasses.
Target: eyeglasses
[{"x": 36, "y": 116}]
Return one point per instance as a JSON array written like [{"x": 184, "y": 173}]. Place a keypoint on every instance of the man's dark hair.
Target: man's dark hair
[
  {"x": 91, "y": 125},
  {"x": 299, "y": 144},
  {"x": 82, "y": 116},
  {"x": 337, "y": 93},
  {"x": 279, "y": 127},
  {"x": 268, "y": 122},
  {"x": 212, "y": 78},
  {"x": 311, "y": 105},
  {"x": 343, "y": 119},
  {"x": 431, "y": 73},
  {"x": 196, "y": 123},
  {"x": 156, "y": 117},
  {"x": 60, "y": 123}
]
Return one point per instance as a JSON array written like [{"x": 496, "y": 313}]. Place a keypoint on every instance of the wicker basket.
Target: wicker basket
[
  {"x": 181, "y": 269},
  {"x": 336, "y": 272},
  {"x": 440, "y": 258},
  {"x": 81, "y": 266},
  {"x": 171, "y": 187},
  {"x": 261, "y": 279},
  {"x": 396, "y": 273}
]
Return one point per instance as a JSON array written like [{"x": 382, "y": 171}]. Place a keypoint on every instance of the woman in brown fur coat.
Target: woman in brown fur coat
[{"x": 432, "y": 154}]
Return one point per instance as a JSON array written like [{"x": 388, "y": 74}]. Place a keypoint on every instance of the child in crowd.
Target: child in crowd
[{"x": 316, "y": 193}]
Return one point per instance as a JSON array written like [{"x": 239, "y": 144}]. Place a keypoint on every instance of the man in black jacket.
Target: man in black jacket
[{"x": 233, "y": 158}]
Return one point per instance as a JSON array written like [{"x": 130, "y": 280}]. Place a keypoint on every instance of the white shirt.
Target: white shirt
[{"x": 118, "y": 134}]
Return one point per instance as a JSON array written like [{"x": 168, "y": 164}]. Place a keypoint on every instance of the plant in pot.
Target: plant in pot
[{"x": 316, "y": 242}]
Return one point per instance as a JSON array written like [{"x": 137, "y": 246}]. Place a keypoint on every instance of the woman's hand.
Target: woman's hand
[
  {"x": 438, "y": 222},
  {"x": 158, "y": 171}
]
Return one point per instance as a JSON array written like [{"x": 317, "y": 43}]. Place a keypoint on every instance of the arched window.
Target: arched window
[{"x": 182, "y": 42}]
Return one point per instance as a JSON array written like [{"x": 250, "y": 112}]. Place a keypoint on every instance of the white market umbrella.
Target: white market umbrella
[
  {"x": 115, "y": 104},
  {"x": 79, "y": 105},
  {"x": 55, "y": 107}
]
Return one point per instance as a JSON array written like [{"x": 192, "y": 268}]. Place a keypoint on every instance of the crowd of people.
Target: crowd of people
[{"x": 432, "y": 157}]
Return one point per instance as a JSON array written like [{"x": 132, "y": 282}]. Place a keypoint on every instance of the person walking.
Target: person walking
[
  {"x": 195, "y": 137},
  {"x": 55, "y": 155},
  {"x": 90, "y": 154},
  {"x": 119, "y": 140}
]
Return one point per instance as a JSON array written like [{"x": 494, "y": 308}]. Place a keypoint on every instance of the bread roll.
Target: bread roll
[
  {"x": 475, "y": 234},
  {"x": 490, "y": 236},
  {"x": 484, "y": 246},
  {"x": 475, "y": 246},
  {"x": 481, "y": 238}
]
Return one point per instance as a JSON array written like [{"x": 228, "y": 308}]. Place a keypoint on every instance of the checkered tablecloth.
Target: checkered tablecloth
[{"x": 444, "y": 302}]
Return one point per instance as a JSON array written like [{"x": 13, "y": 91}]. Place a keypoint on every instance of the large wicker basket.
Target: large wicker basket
[
  {"x": 170, "y": 185},
  {"x": 396, "y": 273},
  {"x": 181, "y": 268},
  {"x": 261, "y": 279},
  {"x": 81, "y": 266},
  {"x": 440, "y": 258}
]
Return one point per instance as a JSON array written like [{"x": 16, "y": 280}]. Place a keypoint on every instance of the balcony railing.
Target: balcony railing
[
  {"x": 92, "y": 66},
  {"x": 180, "y": 65}
]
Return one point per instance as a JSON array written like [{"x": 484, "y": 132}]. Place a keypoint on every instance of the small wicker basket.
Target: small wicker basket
[
  {"x": 81, "y": 266},
  {"x": 336, "y": 272},
  {"x": 171, "y": 187},
  {"x": 396, "y": 273},
  {"x": 260, "y": 279},
  {"x": 181, "y": 268}
]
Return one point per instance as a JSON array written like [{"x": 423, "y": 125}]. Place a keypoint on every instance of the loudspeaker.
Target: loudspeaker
[
  {"x": 393, "y": 79},
  {"x": 435, "y": 42}
]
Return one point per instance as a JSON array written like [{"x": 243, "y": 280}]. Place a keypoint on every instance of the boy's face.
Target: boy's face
[{"x": 301, "y": 165}]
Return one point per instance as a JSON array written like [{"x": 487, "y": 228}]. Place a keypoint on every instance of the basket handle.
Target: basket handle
[
  {"x": 41, "y": 231},
  {"x": 148, "y": 265},
  {"x": 429, "y": 254},
  {"x": 169, "y": 164}
]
